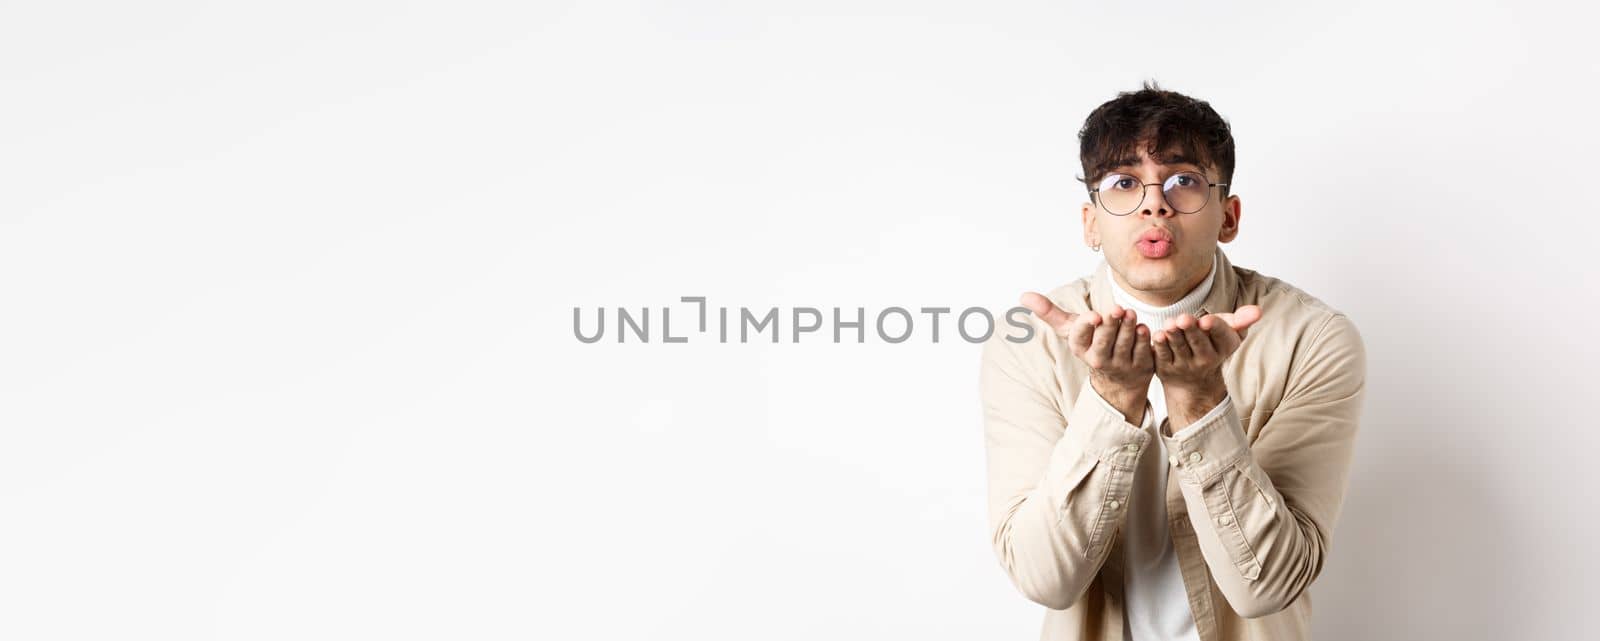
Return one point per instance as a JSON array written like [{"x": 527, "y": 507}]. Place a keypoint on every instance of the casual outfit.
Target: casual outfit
[{"x": 1211, "y": 534}]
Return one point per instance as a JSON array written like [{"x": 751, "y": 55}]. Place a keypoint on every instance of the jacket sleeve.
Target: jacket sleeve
[
  {"x": 1058, "y": 485},
  {"x": 1264, "y": 513}
]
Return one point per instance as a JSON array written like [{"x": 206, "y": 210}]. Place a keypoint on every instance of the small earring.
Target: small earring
[{"x": 1095, "y": 247}]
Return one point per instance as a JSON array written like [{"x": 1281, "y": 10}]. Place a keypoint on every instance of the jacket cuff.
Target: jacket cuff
[
  {"x": 1202, "y": 450},
  {"x": 1099, "y": 430}
]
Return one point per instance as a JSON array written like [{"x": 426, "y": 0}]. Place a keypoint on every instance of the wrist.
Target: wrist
[
  {"x": 1188, "y": 401},
  {"x": 1130, "y": 399}
]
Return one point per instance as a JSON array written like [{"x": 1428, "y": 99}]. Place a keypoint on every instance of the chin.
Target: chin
[{"x": 1152, "y": 276}]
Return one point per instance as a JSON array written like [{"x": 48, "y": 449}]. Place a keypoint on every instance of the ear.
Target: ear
[
  {"x": 1090, "y": 233},
  {"x": 1231, "y": 211}
]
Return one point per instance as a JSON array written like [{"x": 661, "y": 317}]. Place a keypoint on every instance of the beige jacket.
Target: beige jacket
[{"x": 1252, "y": 495}]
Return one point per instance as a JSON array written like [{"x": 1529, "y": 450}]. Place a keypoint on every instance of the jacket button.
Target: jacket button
[
  {"x": 1224, "y": 519},
  {"x": 1194, "y": 457},
  {"x": 1113, "y": 504},
  {"x": 1131, "y": 447},
  {"x": 1173, "y": 460}
]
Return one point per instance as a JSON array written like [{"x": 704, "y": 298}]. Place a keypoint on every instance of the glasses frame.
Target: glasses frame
[{"x": 1144, "y": 189}]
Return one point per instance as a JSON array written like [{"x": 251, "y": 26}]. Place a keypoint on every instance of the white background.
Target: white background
[{"x": 286, "y": 298}]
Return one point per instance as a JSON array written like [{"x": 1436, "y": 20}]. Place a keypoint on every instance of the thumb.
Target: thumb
[
  {"x": 1242, "y": 318},
  {"x": 1046, "y": 310}
]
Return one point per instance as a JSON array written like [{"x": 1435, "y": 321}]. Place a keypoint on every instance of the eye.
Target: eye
[
  {"x": 1185, "y": 180},
  {"x": 1121, "y": 183}
]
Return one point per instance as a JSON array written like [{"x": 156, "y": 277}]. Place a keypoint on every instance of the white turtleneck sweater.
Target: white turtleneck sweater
[{"x": 1157, "y": 603}]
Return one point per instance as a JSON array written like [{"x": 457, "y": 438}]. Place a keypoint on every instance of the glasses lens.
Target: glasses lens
[
  {"x": 1186, "y": 192},
  {"x": 1120, "y": 193}
]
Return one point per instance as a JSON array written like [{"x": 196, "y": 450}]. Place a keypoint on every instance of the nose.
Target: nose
[{"x": 1155, "y": 202}]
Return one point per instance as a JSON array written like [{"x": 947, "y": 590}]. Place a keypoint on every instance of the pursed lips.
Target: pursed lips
[{"x": 1155, "y": 242}]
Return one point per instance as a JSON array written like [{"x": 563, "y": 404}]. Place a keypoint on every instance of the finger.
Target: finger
[
  {"x": 1104, "y": 337},
  {"x": 1047, "y": 311},
  {"x": 1178, "y": 342},
  {"x": 1081, "y": 332},
  {"x": 1241, "y": 318},
  {"x": 1143, "y": 358},
  {"x": 1223, "y": 338},
  {"x": 1160, "y": 348},
  {"x": 1123, "y": 351},
  {"x": 1199, "y": 340}
]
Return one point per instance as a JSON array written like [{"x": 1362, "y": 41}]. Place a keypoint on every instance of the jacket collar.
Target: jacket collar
[{"x": 1224, "y": 296}]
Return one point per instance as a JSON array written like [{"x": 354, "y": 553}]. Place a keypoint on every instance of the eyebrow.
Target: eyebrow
[{"x": 1173, "y": 159}]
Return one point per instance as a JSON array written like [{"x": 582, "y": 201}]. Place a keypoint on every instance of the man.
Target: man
[{"x": 1167, "y": 456}]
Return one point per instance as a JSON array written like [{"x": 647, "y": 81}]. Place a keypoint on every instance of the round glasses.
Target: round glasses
[{"x": 1186, "y": 191}]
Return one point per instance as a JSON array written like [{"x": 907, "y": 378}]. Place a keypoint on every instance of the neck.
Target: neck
[{"x": 1155, "y": 314}]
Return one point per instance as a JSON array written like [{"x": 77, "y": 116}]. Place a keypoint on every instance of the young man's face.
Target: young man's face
[{"x": 1158, "y": 272}]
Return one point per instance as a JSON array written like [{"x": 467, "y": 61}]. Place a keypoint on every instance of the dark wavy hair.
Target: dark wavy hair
[{"x": 1162, "y": 120}]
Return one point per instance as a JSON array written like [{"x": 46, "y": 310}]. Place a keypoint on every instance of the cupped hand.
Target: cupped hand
[
  {"x": 1191, "y": 351},
  {"x": 1115, "y": 347}
]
